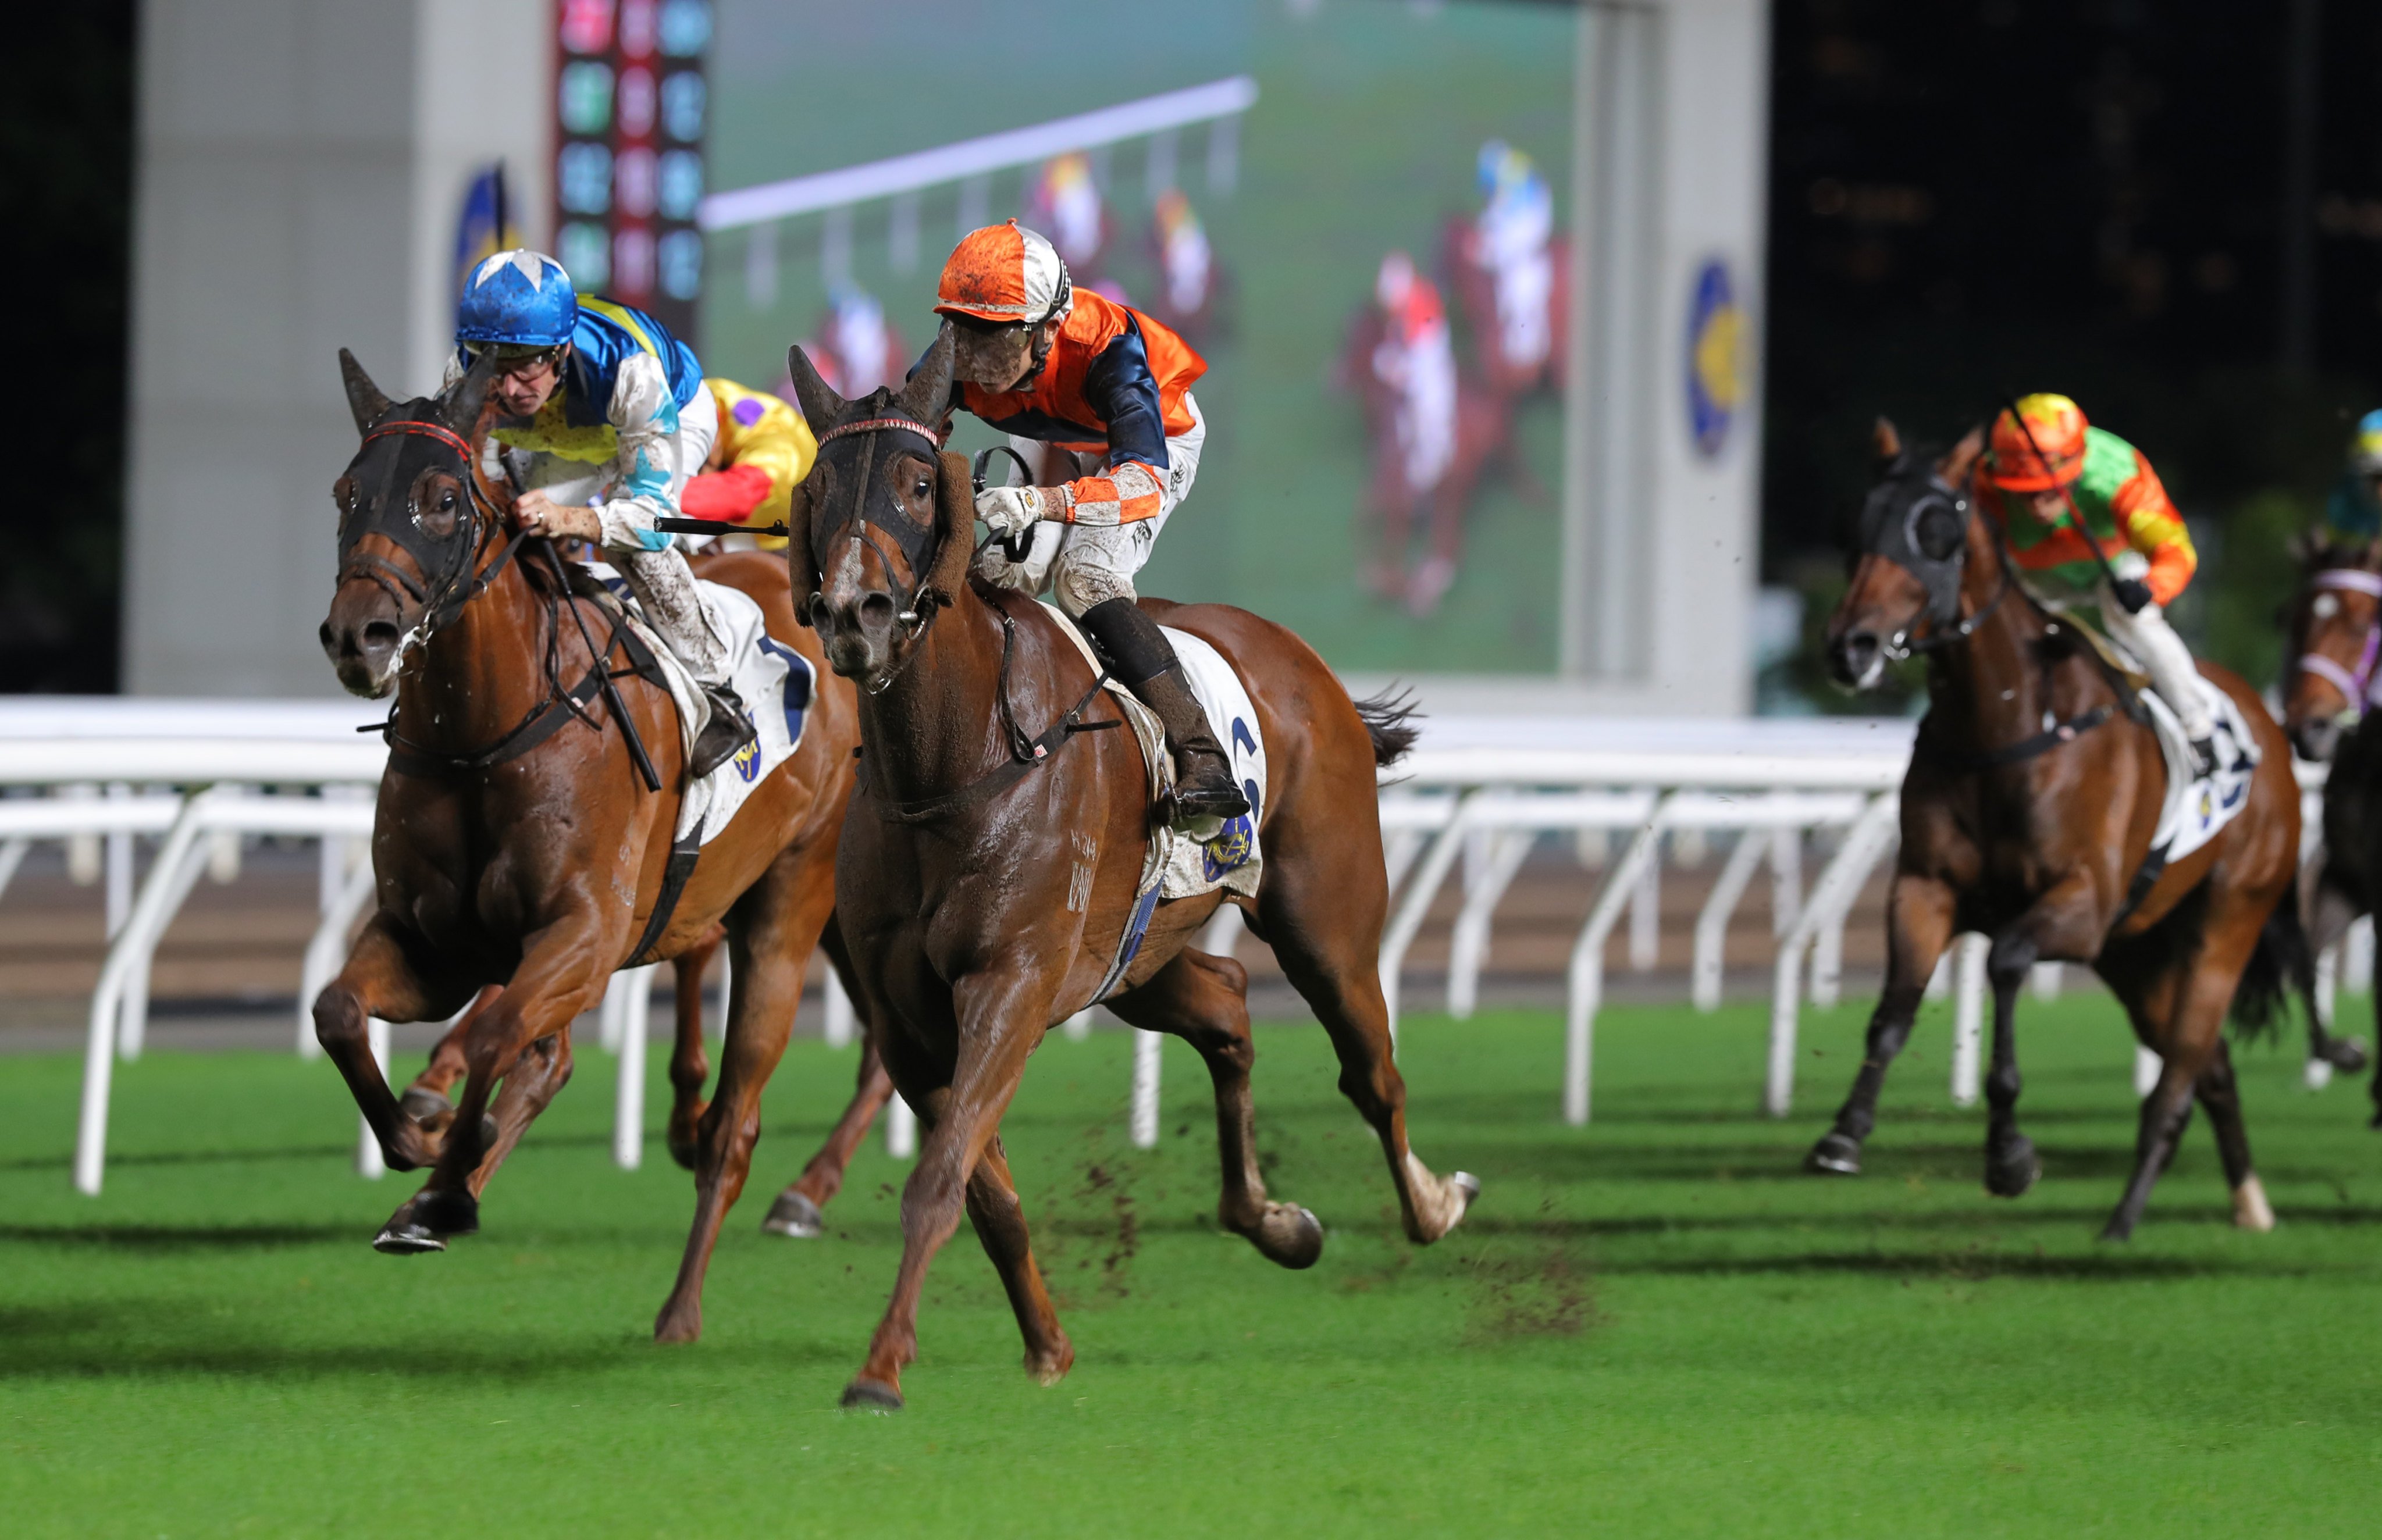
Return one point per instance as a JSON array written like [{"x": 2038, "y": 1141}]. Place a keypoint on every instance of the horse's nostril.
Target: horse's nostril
[
  {"x": 322, "y": 634},
  {"x": 876, "y": 611},
  {"x": 379, "y": 635}
]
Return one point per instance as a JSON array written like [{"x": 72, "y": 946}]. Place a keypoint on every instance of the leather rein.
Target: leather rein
[
  {"x": 2360, "y": 688},
  {"x": 461, "y": 584},
  {"x": 1025, "y": 754}
]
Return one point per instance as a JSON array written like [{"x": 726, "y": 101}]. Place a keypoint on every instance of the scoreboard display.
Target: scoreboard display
[{"x": 631, "y": 101}]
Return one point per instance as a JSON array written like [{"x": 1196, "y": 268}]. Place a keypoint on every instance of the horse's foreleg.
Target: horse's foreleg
[
  {"x": 999, "y": 1023},
  {"x": 563, "y": 972},
  {"x": 689, "y": 1067},
  {"x": 377, "y": 981},
  {"x": 535, "y": 1079},
  {"x": 797, "y": 1212},
  {"x": 2012, "y": 1166},
  {"x": 774, "y": 927},
  {"x": 999, "y": 1221},
  {"x": 1204, "y": 1000},
  {"x": 1919, "y": 914}
]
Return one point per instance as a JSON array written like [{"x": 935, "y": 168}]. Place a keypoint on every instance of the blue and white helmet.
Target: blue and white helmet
[
  {"x": 2365, "y": 449},
  {"x": 519, "y": 297}
]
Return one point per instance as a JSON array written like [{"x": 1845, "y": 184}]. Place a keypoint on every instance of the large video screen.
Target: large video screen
[{"x": 1356, "y": 212}]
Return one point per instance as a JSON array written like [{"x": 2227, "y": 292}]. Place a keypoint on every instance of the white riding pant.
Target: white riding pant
[
  {"x": 661, "y": 579},
  {"x": 2154, "y": 642},
  {"x": 1088, "y": 565}
]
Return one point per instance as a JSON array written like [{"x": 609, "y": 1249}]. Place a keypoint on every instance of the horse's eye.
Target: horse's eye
[
  {"x": 447, "y": 502},
  {"x": 922, "y": 487}
]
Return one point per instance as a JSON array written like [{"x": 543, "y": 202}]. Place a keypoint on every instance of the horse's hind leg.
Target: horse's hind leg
[
  {"x": 796, "y": 1214},
  {"x": 771, "y": 932},
  {"x": 1324, "y": 920},
  {"x": 426, "y": 1101},
  {"x": 1204, "y": 1000},
  {"x": 2221, "y": 1095},
  {"x": 2186, "y": 1035},
  {"x": 689, "y": 1067},
  {"x": 1919, "y": 927},
  {"x": 2334, "y": 912},
  {"x": 999, "y": 1221}
]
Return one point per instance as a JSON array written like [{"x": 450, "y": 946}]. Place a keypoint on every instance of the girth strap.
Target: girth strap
[
  {"x": 2025, "y": 749},
  {"x": 682, "y": 857}
]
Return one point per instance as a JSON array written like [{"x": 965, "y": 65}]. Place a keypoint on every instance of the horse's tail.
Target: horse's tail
[
  {"x": 1389, "y": 722},
  {"x": 2279, "y": 965}
]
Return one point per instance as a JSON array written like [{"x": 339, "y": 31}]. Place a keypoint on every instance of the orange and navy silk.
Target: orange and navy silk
[
  {"x": 2125, "y": 508},
  {"x": 1113, "y": 383}
]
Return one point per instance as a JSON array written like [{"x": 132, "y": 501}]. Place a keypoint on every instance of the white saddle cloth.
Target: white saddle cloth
[
  {"x": 2197, "y": 809},
  {"x": 1183, "y": 865},
  {"x": 772, "y": 679}
]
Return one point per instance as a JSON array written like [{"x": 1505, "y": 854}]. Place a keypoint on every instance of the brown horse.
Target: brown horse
[
  {"x": 2027, "y": 816},
  {"x": 796, "y": 1212},
  {"x": 2333, "y": 627},
  {"x": 988, "y": 871},
  {"x": 519, "y": 840}
]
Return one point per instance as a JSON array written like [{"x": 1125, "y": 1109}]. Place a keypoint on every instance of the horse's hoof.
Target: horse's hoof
[
  {"x": 422, "y": 1104},
  {"x": 868, "y": 1395},
  {"x": 794, "y": 1217},
  {"x": 1048, "y": 1372},
  {"x": 2250, "y": 1210},
  {"x": 674, "y": 1326},
  {"x": 2117, "y": 1231},
  {"x": 404, "y": 1237},
  {"x": 2012, "y": 1169},
  {"x": 1834, "y": 1155},
  {"x": 2346, "y": 1054},
  {"x": 444, "y": 1212},
  {"x": 1289, "y": 1235}
]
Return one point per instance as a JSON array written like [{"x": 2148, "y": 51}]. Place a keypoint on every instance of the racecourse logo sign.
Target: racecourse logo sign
[{"x": 1717, "y": 367}]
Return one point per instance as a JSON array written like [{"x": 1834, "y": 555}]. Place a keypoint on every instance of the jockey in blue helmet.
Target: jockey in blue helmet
[
  {"x": 2354, "y": 511},
  {"x": 606, "y": 418}
]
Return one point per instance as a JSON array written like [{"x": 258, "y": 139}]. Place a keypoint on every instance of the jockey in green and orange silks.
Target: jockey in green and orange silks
[{"x": 2037, "y": 480}]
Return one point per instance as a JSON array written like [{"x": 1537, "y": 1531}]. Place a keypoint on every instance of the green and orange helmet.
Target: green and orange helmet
[{"x": 2047, "y": 451}]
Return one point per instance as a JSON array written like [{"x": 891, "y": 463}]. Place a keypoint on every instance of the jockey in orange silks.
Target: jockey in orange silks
[
  {"x": 1050, "y": 364},
  {"x": 2056, "y": 481}
]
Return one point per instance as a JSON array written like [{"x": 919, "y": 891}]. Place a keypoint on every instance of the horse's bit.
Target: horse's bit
[{"x": 2360, "y": 688}]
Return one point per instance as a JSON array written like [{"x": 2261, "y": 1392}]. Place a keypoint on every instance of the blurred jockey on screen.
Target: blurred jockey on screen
[
  {"x": 1184, "y": 259},
  {"x": 609, "y": 410},
  {"x": 1050, "y": 364},
  {"x": 763, "y": 452},
  {"x": 2354, "y": 510},
  {"x": 2090, "y": 472},
  {"x": 857, "y": 350},
  {"x": 1417, "y": 360},
  {"x": 1516, "y": 224}
]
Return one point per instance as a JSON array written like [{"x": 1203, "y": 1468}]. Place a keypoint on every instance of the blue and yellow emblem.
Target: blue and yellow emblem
[
  {"x": 1229, "y": 849},
  {"x": 1716, "y": 360},
  {"x": 748, "y": 760}
]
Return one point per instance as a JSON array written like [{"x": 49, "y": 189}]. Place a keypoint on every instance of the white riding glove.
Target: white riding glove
[{"x": 1013, "y": 510}]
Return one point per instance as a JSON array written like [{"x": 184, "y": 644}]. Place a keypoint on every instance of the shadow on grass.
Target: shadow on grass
[
  {"x": 1969, "y": 1265},
  {"x": 176, "y": 1238},
  {"x": 291, "y": 1152},
  {"x": 123, "y": 1338}
]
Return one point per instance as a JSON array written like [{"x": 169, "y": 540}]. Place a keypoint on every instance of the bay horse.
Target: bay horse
[
  {"x": 2334, "y": 626},
  {"x": 519, "y": 840},
  {"x": 2027, "y": 814},
  {"x": 990, "y": 859}
]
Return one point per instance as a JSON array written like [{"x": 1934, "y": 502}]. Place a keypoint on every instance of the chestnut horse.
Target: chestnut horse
[
  {"x": 2333, "y": 627},
  {"x": 2027, "y": 816},
  {"x": 518, "y": 840},
  {"x": 992, "y": 857}
]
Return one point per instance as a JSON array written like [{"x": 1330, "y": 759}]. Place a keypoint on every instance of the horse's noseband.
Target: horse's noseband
[{"x": 2360, "y": 688}]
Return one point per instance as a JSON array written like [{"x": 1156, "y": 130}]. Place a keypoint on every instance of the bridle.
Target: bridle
[
  {"x": 2360, "y": 688},
  {"x": 924, "y": 600},
  {"x": 443, "y": 598},
  {"x": 1942, "y": 631}
]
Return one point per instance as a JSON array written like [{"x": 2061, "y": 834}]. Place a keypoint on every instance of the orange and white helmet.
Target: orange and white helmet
[
  {"x": 1005, "y": 275},
  {"x": 2046, "y": 452}
]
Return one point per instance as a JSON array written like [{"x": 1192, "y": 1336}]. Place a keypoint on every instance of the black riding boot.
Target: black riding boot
[
  {"x": 727, "y": 733},
  {"x": 1146, "y": 664}
]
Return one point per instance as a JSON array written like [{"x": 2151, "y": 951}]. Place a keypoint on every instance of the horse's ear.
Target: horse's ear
[
  {"x": 1954, "y": 467},
  {"x": 459, "y": 403},
  {"x": 366, "y": 404},
  {"x": 802, "y": 567},
  {"x": 821, "y": 406},
  {"x": 1885, "y": 444},
  {"x": 956, "y": 509},
  {"x": 927, "y": 397}
]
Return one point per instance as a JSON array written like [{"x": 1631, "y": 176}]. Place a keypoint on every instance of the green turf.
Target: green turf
[{"x": 1653, "y": 1325}]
